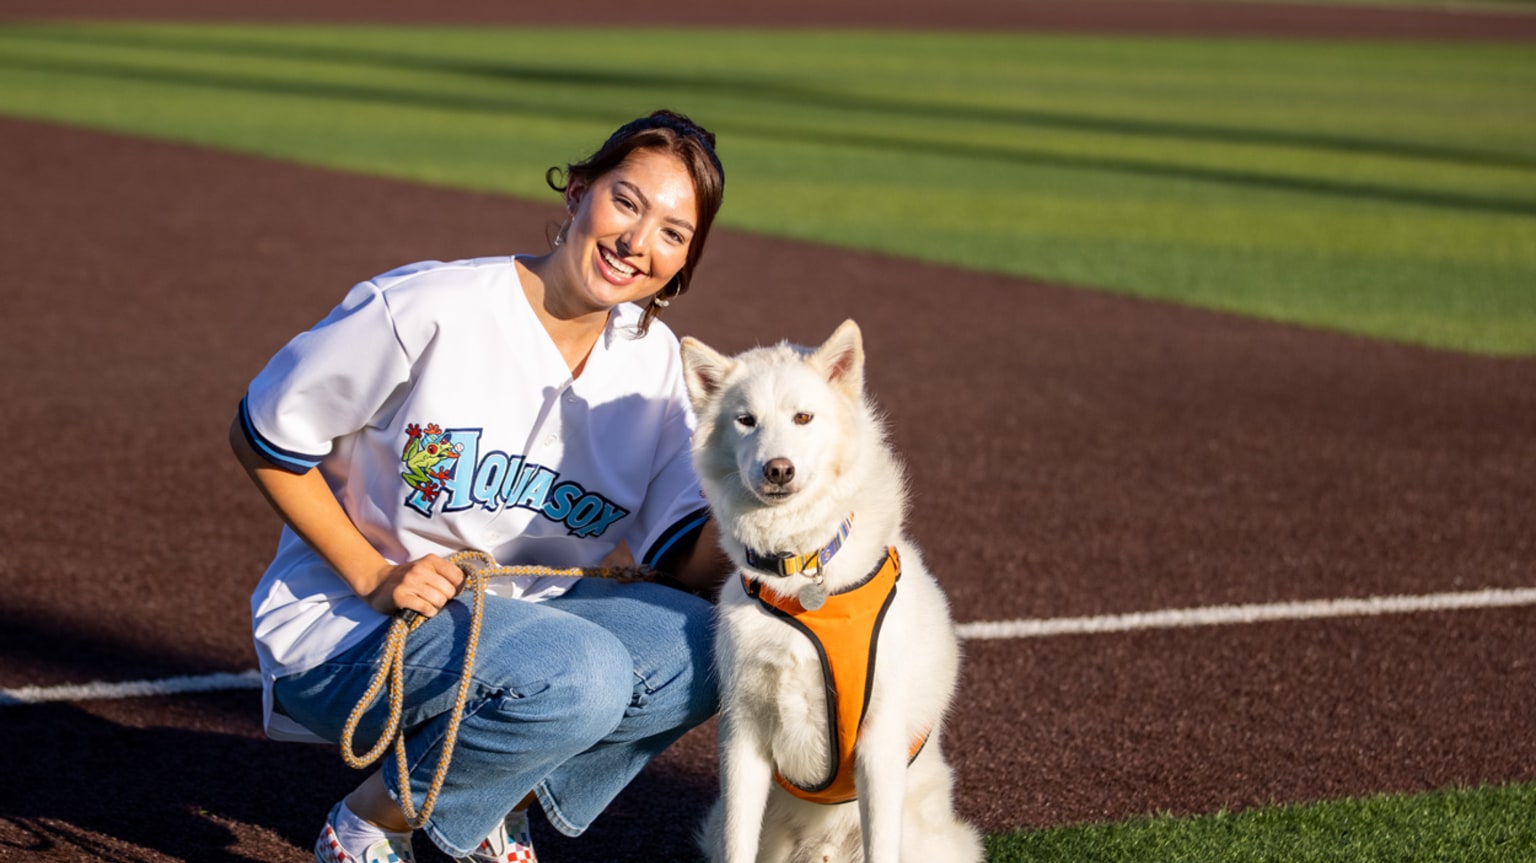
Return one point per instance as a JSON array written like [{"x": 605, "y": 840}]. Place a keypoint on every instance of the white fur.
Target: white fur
[{"x": 773, "y": 704}]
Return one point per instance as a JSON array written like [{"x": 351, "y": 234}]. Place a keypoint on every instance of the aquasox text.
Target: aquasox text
[{"x": 446, "y": 472}]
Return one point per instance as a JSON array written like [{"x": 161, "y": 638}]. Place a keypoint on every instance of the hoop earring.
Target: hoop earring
[
  {"x": 560, "y": 237},
  {"x": 661, "y": 300}
]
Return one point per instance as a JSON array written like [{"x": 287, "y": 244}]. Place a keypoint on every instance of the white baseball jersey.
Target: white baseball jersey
[{"x": 443, "y": 417}]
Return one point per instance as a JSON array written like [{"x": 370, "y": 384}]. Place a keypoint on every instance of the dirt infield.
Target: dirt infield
[{"x": 1072, "y": 453}]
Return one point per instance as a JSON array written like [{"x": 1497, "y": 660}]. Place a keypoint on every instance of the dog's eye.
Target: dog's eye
[
  {"x": 746, "y": 420},
  {"x": 802, "y": 418}
]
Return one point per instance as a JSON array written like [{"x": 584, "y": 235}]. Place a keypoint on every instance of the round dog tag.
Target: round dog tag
[{"x": 813, "y": 596}]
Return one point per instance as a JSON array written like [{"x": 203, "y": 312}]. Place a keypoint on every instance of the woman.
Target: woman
[{"x": 529, "y": 407}]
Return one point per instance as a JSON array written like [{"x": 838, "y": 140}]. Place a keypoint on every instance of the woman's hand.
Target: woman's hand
[{"x": 423, "y": 585}]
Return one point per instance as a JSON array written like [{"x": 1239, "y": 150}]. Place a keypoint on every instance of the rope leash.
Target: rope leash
[{"x": 478, "y": 568}]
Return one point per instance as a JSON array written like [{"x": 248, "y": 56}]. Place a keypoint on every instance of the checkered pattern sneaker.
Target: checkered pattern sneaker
[
  {"x": 328, "y": 848},
  {"x": 511, "y": 844}
]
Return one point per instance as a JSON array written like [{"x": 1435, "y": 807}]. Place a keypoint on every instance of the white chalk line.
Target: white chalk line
[
  {"x": 130, "y": 689},
  {"x": 1229, "y": 615},
  {"x": 1179, "y": 618}
]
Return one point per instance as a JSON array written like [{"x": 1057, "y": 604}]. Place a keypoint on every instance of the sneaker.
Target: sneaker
[
  {"x": 328, "y": 847},
  {"x": 511, "y": 844}
]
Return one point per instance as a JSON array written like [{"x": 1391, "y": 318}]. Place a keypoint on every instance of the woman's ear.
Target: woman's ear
[{"x": 575, "y": 190}]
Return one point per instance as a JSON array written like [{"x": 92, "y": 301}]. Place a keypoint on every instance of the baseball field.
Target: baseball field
[{"x": 1207, "y": 331}]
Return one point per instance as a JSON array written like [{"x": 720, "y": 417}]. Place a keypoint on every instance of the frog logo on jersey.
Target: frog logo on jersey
[
  {"x": 425, "y": 452},
  {"x": 447, "y": 473}
]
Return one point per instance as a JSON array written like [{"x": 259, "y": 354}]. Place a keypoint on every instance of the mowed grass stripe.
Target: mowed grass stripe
[
  {"x": 1381, "y": 189},
  {"x": 1490, "y": 824}
]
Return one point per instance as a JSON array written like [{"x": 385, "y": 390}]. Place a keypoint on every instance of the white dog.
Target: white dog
[{"x": 833, "y": 629}]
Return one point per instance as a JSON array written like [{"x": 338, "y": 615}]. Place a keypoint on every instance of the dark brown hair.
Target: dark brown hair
[{"x": 694, "y": 146}]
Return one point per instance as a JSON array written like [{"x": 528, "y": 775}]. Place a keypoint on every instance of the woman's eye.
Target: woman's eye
[
  {"x": 624, "y": 202},
  {"x": 802, "y": 418},
  {"x": 676, "y": 238},
  {"x": 746, "y": 420}
]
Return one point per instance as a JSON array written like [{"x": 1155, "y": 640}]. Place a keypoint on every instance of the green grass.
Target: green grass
[
  {"x": 1486, "y": 825},
  {"x": 1382, "y": 189}
]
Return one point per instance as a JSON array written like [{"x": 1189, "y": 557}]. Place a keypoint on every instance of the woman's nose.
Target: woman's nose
[{"x": 635, "y": 240}]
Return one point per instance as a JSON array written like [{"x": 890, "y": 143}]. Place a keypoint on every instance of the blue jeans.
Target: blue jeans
[{"x": 571, "y": 698}]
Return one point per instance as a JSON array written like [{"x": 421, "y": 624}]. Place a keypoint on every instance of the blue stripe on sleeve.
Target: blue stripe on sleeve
[
  {"x": 685, "y": 527},
  {"x": 288, "y": 460}
]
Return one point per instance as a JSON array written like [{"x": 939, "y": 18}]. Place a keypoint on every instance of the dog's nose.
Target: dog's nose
[{"x": 779, "y": 471}]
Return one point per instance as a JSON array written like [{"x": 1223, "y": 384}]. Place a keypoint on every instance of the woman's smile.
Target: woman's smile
[{"x": 617, "y": 271}]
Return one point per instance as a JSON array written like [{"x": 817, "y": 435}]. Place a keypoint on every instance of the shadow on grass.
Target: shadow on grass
[{"x": 645, "y": 86}]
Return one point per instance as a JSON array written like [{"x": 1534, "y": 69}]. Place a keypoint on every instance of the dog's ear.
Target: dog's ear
[
  {"x": 704, "y": 370},
  {"x": 841, "y": 358}
]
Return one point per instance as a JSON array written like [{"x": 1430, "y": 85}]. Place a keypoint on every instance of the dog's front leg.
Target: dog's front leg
[
  {"x": 881, "y": 764},
  {"x": 746, "y": 771}
]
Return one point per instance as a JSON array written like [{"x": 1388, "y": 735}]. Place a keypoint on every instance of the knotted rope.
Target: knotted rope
[{"x": 478, "y": 567}]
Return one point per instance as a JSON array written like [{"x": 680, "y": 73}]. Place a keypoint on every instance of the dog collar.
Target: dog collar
[{"x": 787, "y": 563}]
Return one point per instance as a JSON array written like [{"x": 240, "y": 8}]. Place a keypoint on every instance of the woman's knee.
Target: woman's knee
[
  {"x": 600, "y": 671},
  {"x": 579, "y": 676},
  {"x": 699, "y": 638},
  {"x": 672, "y": 641}
]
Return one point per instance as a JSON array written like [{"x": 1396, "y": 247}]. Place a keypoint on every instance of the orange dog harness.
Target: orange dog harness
[{"x": 846, "y": 634}]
